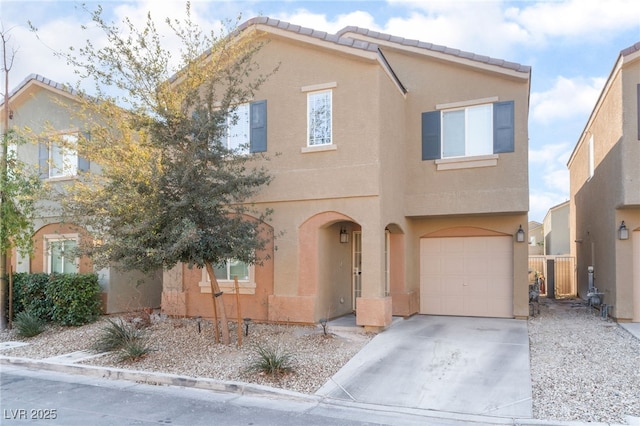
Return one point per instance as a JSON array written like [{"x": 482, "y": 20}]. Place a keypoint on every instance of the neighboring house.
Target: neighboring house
[
  {"x": 556, "y": 230},
  {"x": 43, "y": 106},
  {"x": 400, "y": 184},
  {"x": 551, "y": 261},
  {"x": 536, "y": 238},
  {"x": 605, "y": 192}
]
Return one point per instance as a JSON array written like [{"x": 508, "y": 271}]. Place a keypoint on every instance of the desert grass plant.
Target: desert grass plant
[
  {"x": 123, "y": 338},
  {"x": 134, "y": 350},
  {"x": 270, "y": 361},
  {"x": 28, "y": 324}
]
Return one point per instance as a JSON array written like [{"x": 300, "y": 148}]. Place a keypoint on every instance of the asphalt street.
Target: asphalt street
[{"x": 53, "y": 398}]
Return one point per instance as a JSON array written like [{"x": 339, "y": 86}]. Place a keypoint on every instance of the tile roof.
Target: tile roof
[
  {"x": 44, "y": 80},
  {"x": 631, "y": 49},
  {"x": 435, "y": 48},
  {"x": 321, "y": 35},
  {"x": 342, "y": 39}
]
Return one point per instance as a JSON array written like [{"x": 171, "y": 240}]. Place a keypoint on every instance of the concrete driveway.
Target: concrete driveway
[{"x": 474, "y": 366}]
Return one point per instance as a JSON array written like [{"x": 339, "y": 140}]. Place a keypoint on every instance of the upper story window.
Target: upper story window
[
  {"x": 60, "y": 255},
  {"x": 58, "y": 157},
  {"x": 247, "y": 128},
  {"x": 319, "y": 130},
  {"x": 592, "y": 166},
  {"x": 63, "y": 157},
  {"x": 238, "y": 129},
  {"x": 468, "y": 129}
]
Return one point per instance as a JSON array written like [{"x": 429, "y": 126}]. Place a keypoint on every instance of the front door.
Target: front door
[{"x": 357, "y": 265}]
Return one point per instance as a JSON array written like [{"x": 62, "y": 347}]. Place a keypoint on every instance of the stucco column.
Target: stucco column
[
  {"x": 373, "y": 309},
  {"x": 173, "y": 295}
]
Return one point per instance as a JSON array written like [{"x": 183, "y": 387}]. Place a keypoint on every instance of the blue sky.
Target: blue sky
[{"x": 570, "y": 45}]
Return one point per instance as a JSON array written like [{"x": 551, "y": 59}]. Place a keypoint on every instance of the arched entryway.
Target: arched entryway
[{"x": 328, "y": 263}]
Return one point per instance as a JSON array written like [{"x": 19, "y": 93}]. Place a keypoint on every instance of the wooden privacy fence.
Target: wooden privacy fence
[{"x": 559, "y": 274}]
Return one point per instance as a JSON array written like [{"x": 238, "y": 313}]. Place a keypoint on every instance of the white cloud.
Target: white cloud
[
  {"x": 568, "y": 98},
  {"x": 578, "y": 19},
  {"x": 549, "y": 178},
  {"x": 541, "y": 201},
  {"x": 320, "y": 22}
]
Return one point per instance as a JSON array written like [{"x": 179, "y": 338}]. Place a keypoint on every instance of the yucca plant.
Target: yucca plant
[
  {"x": 124, "y": 338},
  {"x": 272, "y": 361},
  {"x": 134, "y": 350},
  {"x": 115, "y": 336},
  {"x": 28, "y": 324}
]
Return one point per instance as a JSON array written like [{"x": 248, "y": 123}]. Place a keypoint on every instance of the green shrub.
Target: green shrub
[
  {"x": 28, "y": 324},
  {"x": 29, "y": 294},
  {"x": 272, "y": 361},
  {"x": 116, "y": 335},
  {"x": 75, "y": 298}
]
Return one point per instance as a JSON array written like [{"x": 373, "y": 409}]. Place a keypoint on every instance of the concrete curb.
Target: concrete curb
[
  {"x": 249, "y": 389},
  {"x": 154, "y": 378}
]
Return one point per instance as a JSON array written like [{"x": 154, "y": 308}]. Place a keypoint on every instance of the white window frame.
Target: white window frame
[
  {"x": 238, "y": 137},
  {"x": 591, "y": 157},
  {"x": 56, "y": 238},
  {"x": 472, "y": 148},
  {"x": 67, "y": 165},
  {"x": 247, "y": 286},
  {"x": 312, "y": 107}
]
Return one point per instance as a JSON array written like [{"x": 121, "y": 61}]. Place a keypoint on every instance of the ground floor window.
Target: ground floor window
[
  {"x": 232, "y": 268},
  {"x": 60, "y": 255}
]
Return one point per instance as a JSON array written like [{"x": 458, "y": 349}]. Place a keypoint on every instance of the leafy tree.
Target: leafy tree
[
  {"x": 19, "y": 188},
  {"x": 170, "y": 190}
]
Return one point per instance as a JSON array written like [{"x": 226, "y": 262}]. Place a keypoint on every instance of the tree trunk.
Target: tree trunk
[{"x": 218, "y": 305}]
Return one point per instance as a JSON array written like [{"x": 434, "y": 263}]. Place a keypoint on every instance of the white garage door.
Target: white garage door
[{"x": 467, "y": 276}]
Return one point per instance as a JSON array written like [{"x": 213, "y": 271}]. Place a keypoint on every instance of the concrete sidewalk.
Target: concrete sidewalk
[{"x": 476, "y": 366}]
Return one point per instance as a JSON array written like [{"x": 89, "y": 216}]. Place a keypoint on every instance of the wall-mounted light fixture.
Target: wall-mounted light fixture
[
  {"x": 344, "y": 236},
  {"x": 623, "y": 232},
  {"x": 520, "y": 235}
]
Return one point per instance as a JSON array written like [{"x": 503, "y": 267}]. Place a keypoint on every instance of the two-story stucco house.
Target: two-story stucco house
[
  {"x": 400, "y": 185},
  {"x": 46, "y": 109},
  {"x": 605, "y": 192}
]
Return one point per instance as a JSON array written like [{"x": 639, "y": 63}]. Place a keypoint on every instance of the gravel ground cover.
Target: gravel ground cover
[{"x": 583, "y": 367}]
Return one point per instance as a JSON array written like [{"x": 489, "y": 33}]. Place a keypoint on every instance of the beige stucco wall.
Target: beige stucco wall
[
  {"x": 600, "y": 203},
  {"x": 372, "y": 178}
]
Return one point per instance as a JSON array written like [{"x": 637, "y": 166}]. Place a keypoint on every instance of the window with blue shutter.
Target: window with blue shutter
[
  {"x": 258, "y": 133},
  {"x": 466, "y": 132},
  {"x": 431, "y": 135},
  {"x": 58, "y": 160},
  {"x": 43, "y": 160},
  {"x": 503, "y": 127}
]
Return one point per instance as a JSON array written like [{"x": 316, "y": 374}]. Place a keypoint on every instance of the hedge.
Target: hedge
[{"x": 68, "y": 299}]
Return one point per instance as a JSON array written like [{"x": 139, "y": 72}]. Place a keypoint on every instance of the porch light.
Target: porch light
[
  {"x": 623, "y": 232},
  {"x": 344, "y": 236},
  {"x": 520, "y": 235}
]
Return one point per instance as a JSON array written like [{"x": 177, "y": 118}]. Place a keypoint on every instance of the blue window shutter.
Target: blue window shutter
[
  {"x": 503, "y": 127},
  {"x": 258, "y": 133},
  {"x": 83, "y": 162},
  {"x": 638, "y": 109},
  {"x": 43, "y": 159},
  {"x": 431, "y": 135}
]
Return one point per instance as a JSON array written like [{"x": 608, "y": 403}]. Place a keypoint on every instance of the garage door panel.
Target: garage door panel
[
  {"x": 477, "y": 287},
  {"x": 467, "y": 276},
  {"x": 452, "y": 245},
  {"x": 475, "y": 308},
  {"x": 476, "y": 265}
]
